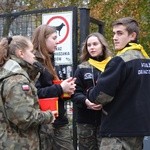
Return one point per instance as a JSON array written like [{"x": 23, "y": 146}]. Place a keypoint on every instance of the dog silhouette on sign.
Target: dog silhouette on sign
[{"x": 59, "y": 28}]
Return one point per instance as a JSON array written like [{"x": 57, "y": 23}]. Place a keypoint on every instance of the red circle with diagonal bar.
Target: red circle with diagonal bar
[{"x": 67, "y": 25}]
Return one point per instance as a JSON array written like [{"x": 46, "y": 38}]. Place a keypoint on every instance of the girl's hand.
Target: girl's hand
[
  {"x": 55, "y": 114},
  {"x": 68, "y": 85},
  {"x": 93, "y": 106}
]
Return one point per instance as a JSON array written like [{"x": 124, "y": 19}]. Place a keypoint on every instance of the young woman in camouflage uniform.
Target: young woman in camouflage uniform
[{"x": 20, "y": 116}]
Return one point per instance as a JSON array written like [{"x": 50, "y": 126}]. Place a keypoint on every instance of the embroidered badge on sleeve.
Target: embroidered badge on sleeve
[{"x": 25, "y": 87}]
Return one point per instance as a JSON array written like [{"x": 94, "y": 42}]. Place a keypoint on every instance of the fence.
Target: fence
[{"x": 24, "y": 23}]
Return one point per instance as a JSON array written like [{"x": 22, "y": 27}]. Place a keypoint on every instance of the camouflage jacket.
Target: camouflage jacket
[{"x": 20, "y": 116}]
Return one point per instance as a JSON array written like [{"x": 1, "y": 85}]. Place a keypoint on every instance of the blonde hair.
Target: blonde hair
[{"x": 8, "y": 46}]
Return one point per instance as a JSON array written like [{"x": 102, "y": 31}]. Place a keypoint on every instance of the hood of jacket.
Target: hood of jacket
[
  {"x": 18, "y": 66},
  {"x": 11, "y": 67}
]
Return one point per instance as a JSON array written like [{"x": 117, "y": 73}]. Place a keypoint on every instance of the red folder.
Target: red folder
[{"x": 49, "y": 104}]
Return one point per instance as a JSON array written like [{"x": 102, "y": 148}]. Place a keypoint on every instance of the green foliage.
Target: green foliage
[
  {"x": 112, "y": 10},
  {"x": 104, "y": 10}
]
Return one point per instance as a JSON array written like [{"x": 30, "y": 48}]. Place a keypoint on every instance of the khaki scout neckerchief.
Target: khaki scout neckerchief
[
  {"x": 134, "y": 46},
  {"x": 100, "y": 65}
]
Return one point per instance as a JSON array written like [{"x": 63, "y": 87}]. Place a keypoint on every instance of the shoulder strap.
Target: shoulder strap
[{"x": 2, "y": 100}]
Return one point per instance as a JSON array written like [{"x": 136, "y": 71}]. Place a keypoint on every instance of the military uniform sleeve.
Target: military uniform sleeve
[
  {"x": 21, "y": 103},
  {"x": 110, "y": 80}
]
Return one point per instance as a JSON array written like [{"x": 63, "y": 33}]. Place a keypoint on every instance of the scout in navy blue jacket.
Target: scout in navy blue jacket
[
  {"x": 123, "y": 91},
  {"x": 47, "y": 89},
  {"x": 86, "y": 77}
]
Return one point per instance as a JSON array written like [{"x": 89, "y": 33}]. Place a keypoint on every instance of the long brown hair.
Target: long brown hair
[
  {"x": 40, "y": 34},
  {"x": 85, "y": 54}
]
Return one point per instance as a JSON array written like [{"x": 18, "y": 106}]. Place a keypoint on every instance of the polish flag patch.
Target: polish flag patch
[{"x": 25, "y": 87}]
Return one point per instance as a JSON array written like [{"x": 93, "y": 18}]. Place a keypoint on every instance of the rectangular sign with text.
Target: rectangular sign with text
[{"x": 62, "y": 21}]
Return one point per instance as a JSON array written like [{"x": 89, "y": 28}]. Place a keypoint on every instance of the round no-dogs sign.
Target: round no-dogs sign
[
  {"x": 62, "y": 21},
  {"x": 62, "y": 27}
]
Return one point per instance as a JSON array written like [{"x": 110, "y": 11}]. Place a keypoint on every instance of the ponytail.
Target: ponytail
[{"x": 4, "y": 50}]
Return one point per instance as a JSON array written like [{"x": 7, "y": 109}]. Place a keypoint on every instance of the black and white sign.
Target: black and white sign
[{"x": 62, "y": 21}]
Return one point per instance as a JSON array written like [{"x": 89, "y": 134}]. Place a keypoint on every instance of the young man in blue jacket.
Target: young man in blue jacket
[{"x": 123, "y": 91}]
